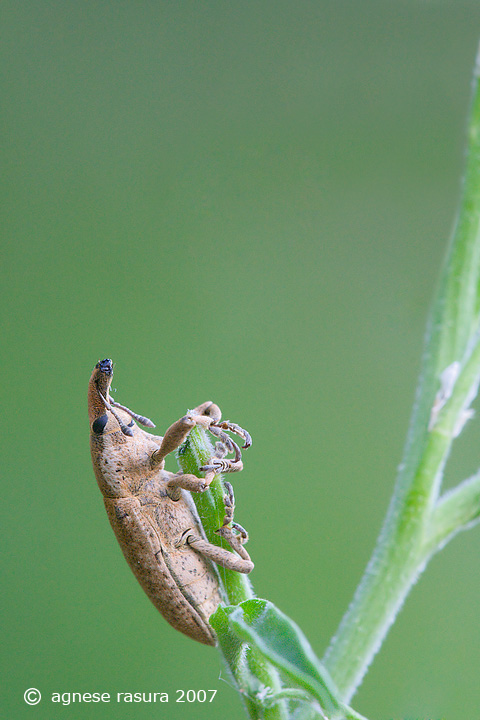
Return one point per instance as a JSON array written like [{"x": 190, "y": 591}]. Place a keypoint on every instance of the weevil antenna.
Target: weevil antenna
[
  {"x": 139, "y": 418},
  {"x": 125, "y": 430}
]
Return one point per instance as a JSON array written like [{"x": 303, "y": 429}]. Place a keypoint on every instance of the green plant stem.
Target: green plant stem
[
  {"x": 417, "y": 523},
  {"x": 457, "y": 510},
  {"x": 194, "y": 453},
  {"x": 250, "y": 670}
]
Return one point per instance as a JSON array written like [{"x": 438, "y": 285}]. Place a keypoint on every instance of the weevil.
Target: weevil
[{"x": 152, "y": 512}]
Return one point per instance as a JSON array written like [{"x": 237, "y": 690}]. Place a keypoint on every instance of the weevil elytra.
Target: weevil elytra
[{"x": 151, "y": 511}]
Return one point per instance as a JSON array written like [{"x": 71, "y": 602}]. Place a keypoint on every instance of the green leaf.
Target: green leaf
[
  {"x": 231, "y": 647},
  {"x": 280, "y": 640}
]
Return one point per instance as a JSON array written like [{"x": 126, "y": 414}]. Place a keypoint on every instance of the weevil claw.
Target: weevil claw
[
  {"x": 222, "y": 466},
  {"x": 233, "y": 427}
]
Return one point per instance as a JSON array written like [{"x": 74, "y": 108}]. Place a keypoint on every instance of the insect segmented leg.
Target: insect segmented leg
[
  {"x": 218, "y": 463},
  {"x": 192, "y": 482},
  {"x": 233, "y": 427},
  {"x": 236, "y": 541},
  {"x": 208, "y": 416},
  {"x": 220, "y": 450},
  {"x": 208, "y": 409},
  {"x": 229, "y": 501},
  {"x": 173, "y": 438},
  {"x": 227, "y": 441},
  {"x": 217, "y": 466},
  {"x": 240, "y": 562},
  {"x": 185, "y": 482}
]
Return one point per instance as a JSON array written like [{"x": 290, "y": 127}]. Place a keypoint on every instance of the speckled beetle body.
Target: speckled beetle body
[{"x": 152, "y": 513}]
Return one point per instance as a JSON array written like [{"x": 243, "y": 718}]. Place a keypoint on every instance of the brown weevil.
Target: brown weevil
[{"x": 151, "y": 511}]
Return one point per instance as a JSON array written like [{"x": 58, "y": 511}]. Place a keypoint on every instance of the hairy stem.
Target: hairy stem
[
  {"x": 250, "y": 670},
  {"x": 417, "y": 523},
  {"x": 457, "y": 510}
]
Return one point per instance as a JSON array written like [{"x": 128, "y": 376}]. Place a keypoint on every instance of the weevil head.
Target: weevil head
[
  {"x": 99, "y": 385},
  {"x": 102, "y": 376},
  {"x": 105, "y": 366}
]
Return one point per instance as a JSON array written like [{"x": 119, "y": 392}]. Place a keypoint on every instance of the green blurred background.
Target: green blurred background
[{"x": 240, "y": 201}]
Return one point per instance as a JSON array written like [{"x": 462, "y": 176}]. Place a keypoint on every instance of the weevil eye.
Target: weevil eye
[
  {"x": 98, "y": 425},
  {"x": 106, "y": 366}
]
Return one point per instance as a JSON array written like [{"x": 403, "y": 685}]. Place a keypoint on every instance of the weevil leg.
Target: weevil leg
[
  {"x": 226, "y": 440},
  {"x": 241, "y": 562},
  {"x": 220, "y": 450},
  {"x": 209, "y": 409},
  {"x": 229, "y": 502},
  {"x": 208, "y": 416},
  {"x": 233, "y": 427},
  {"x": 223, "y": 465},
  {"x": 204, "y": 415},
  {"x": 186, "y": 482},
  {"x": 217, "y": 466},
  {"x": 173, "y": 438},
  {"x": 192, "y": 482}
]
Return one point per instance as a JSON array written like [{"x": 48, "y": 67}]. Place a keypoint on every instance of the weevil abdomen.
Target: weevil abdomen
[{"x": 181, "y": 585}]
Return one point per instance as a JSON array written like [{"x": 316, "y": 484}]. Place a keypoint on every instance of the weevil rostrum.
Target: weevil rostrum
[{"x": 151, "y": 511}]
